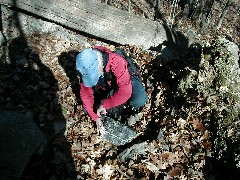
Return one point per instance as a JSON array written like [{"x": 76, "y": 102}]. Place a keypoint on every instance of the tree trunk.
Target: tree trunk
[
  {"x": 224, "y": 12},
  {"x": 192, "y": 8},
  {"x": 236, "y": 15},
  {"x": 206, "y": 14}
]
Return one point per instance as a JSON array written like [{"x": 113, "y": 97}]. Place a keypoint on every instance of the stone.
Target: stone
[
  {"x": 86, "y": 16},
  {"x": 134, "y": 151},
  {"x": 2, "y": 38},
  {"x": 116, "y": 132},
  {"x": 133, "y": 119},
  {"x": 20, "y": 139},
  {"x": 162, "y": 138},
  {"x": 59, "y": 127},
  {"x": 232, "y": 48}
]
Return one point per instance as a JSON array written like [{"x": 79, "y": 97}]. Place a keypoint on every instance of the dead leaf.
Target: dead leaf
[
  {"x": 165, "y": 155},
  {"x": 207, "y": 145},
  {"x": 81, "y": 158},
  {"x": 197, "y": 124},
  {"x": 130, "y": 172},
  {"x": 175, "y": 172}
]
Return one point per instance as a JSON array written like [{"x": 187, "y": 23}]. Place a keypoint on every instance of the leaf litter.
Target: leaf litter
[
  {"x": 178, "y": 144},
  {"x": 175, "y": 139}
]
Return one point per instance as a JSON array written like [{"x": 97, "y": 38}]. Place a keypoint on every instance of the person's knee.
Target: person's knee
[
  {"x": 139, "y": 96},
  {"x": 139, "y": 101}
]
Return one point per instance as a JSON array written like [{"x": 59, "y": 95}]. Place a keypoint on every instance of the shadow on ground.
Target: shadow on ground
[{"x": 29, "y": 87}]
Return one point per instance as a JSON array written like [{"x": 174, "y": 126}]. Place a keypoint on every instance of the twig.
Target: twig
[
  {"x": 223, "y": 14},
  {"x": 124, "y": 174},
  {"x": 106, "y": 1},
  {"x": 129, "y": 5}
]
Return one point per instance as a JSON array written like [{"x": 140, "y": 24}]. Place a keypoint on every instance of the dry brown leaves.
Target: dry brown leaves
[{"x": 179, "y": 153}]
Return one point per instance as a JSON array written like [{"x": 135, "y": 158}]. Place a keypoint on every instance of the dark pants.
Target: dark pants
[{"x": 139, "y": 96}]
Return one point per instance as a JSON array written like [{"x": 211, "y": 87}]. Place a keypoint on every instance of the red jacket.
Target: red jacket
[{"x": 119, "y": 67}]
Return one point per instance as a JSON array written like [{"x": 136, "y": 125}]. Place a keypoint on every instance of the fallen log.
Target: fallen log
[{"x": 96, "y": 19}]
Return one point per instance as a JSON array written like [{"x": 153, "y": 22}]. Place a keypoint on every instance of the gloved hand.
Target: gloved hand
[
  {"x": 100, "y": 127},
  {"x": 101, "y": 110}
]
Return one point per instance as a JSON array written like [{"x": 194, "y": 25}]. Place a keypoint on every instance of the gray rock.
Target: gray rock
[
  {"x": 2, "y": 38},
  {"x": 174, "y": 47},
  {"x": 59, "y": 127},
  {"x": 162, "y": 138},
  {"x": 193, "y": 38},
  {"x": 30, "y": 24},
  {"x": 133, "y": 119},
  {"x": 191, "y": 34},
  {"x": 134, "y": 151},
  {"x": 232, "y": 48},
  {"x": 117, "y": 133},
  {"x": 217, "y": 80},
  {"x": 20, "y": 138}
]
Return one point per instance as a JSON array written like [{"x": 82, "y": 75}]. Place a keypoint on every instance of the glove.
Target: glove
[
  {"x": 101, "y": 110},
  {"x": 100, "y": 127}
]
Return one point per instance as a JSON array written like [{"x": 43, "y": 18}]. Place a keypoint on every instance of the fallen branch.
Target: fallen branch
[{"x": 124, "y": 174}]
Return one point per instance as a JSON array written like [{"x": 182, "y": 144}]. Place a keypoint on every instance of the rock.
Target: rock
[
  {"x": 117, "y": 133},
  {"x": 176, "y": 45},
  {"x": 59, "y": 127},
  {"x": 2, "y": 39},
  {"x": 217, "y": 78},
  {"x": 30, "y": 25},
  {"x": 162, "y": 138},
  {"x": 133, "y": 119},
  {"x": 20, "y": 138},
  {"x": 134, "y": 151},
  {"x": 232, "y": 48},
  {"x": 192, "y": 37}
]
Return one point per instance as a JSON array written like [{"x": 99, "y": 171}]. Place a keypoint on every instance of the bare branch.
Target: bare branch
[
  {"x": 224, "y": 12},
  {"x": 129, "y": 5}
]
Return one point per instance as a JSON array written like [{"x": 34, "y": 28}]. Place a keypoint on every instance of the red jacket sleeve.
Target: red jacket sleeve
[
  {"x": 119, "y": 66},
  {"x": 86, "y": 94}
]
